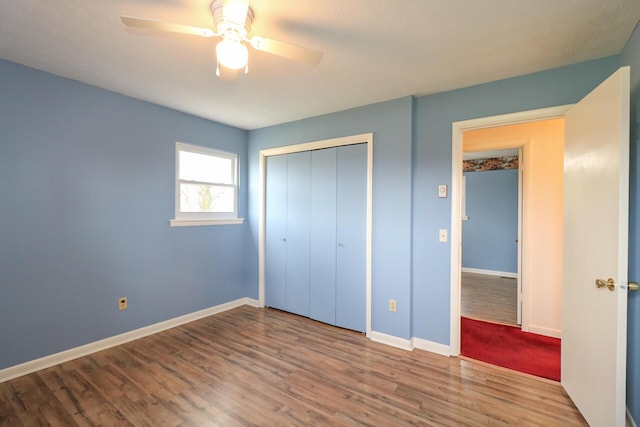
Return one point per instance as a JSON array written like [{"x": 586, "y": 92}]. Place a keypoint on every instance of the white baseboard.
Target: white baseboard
[
  {"x": 391, "y": 340},
  {"x": 73, "y": 353},
  {"x": 250, "y": 302},
  {"x": 410, "y": 344},
  {"x": 431, "y": 346},
  {"x": 548, "y": 332},
  {"x": 490, "y": 272},
  {"x": 630, "y": 421}
]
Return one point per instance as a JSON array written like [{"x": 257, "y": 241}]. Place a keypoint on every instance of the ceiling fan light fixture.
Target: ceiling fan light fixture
[{"x": 232, "y": 54}]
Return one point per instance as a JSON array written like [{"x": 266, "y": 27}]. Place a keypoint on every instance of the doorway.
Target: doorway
[
  {"x": 542, "y": 169},
  {"x": 545, "y": 319},
  {"x": 491, "y": 233}
]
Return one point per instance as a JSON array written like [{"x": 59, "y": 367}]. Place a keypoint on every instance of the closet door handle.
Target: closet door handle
[{"x": 284, "y": 239}]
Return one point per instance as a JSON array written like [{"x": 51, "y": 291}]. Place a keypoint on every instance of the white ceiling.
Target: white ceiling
[{"x": 374, "y": 50}]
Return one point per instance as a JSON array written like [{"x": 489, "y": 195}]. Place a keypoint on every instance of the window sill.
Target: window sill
[{"x": 199, "y": 222}]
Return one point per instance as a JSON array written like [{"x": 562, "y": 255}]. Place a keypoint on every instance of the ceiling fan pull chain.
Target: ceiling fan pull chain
[{"x": 218, "y": 68}]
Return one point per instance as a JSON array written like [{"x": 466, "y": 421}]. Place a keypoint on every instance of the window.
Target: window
[{"x": 206, "y": 186}]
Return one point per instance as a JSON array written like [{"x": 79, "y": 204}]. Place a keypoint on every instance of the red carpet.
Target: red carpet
[{"x": 509, "y": 347}]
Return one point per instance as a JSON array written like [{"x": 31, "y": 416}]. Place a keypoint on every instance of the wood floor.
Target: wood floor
[
  {"x": 491, "y": 298},
  {"x": 252, "y": 366}
]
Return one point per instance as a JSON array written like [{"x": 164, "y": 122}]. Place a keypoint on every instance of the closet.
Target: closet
[{"x": 315, "y": 260}]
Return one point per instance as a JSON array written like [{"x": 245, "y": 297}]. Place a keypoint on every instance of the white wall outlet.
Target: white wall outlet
[
  {"x": 393, "y": 306},
  {"x": 122, "y": 303},
  {"x": 443, "y": 235},
  {"x": 442, "y": 190}
]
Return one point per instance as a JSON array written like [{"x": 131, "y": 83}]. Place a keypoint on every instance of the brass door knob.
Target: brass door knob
[
  {"x": 611, "y": 284},
  {"x": 633, "y": 286}
]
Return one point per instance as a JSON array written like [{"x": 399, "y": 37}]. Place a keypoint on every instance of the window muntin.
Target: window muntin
[{"x": 206, "y": 183}]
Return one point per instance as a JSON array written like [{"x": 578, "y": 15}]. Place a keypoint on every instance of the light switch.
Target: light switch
[
  {"x": 442, "y": 190},
  {"x": 443, "y": 237}
]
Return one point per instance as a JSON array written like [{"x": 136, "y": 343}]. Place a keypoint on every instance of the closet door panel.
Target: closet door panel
[
  {"x": 276, "y": 232},
  {"x": 323, "y": 236},
  {"x": 298, "y": 239},
  {"x": 351, "y": 237}
]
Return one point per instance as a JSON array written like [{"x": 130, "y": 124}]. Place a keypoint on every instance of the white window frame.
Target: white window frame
[{"x": 185, "y": 219}]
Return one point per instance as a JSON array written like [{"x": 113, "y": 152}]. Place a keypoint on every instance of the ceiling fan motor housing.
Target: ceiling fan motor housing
[{"x": 227, "y": 26}]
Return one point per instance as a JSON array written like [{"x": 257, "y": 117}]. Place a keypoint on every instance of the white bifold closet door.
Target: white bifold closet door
[{"x": 316, "y": 234}]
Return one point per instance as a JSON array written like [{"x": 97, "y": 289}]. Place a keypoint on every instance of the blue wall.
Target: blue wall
[
  {"x": 391, "y": 124},
  {"x": 86, "y": 194},
  {"x": 631, "y": 56},
  {"x": 489, "y": 235}
]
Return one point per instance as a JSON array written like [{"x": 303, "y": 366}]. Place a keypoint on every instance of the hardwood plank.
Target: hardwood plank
[
  {"x": 490, "y": 298},
  {"x": 253, "y": 366}
]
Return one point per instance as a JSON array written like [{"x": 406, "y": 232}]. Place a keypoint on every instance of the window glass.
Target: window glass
[
  {"x": 206, "y": 198},
  {"x": 206, "y": 168}
]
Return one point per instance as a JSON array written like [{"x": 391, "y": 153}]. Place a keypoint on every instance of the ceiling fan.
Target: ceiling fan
[{"x": 232, "y": 21}]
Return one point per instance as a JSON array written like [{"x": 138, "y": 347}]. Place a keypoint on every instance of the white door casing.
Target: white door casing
[
  {"x": 596, "y": 210},
  {"x": 521, "y": 166}
]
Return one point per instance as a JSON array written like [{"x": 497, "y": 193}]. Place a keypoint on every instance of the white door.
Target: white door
[{"x": 596, "y": 194}]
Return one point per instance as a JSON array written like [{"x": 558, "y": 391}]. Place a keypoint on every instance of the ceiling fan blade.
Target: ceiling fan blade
[
  {"x": 287, "y": 50},
  {"x": 150, "y": 24},
  {"x": 235, "y": 10}
]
